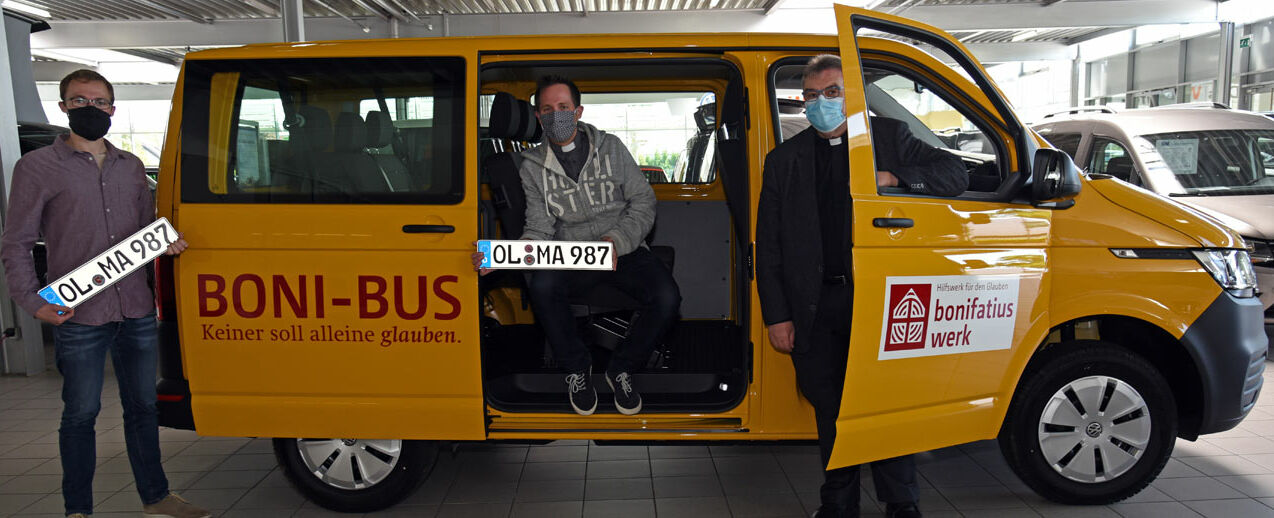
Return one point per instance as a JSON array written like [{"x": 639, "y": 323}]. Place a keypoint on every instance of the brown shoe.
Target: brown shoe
[{"x": 173, "y": 506}]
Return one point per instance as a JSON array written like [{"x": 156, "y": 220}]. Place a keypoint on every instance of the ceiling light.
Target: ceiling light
[
  {"x": 1023, "y": 36},
  {"x": 29, "y": 9}
]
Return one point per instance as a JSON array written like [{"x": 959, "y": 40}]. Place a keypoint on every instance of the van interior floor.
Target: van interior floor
[{"x": 699, "y": 367}]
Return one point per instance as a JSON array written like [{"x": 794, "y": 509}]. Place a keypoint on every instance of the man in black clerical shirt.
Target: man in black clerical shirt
[{"x": 804, "y": 271}]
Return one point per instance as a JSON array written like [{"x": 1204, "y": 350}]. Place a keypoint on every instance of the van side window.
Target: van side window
[
  {"x": 1109, "y": 157},
  {"x": 890, "y": 94},
  {"x": 1068, "y": 142},
  {"x": 375, "y": 130},
  {"x": 670, "y": 134},
  {"x": 935, "y": 121}
]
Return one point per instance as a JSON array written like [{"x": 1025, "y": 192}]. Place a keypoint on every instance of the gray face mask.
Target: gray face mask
[{"x": 558, "y": 125}]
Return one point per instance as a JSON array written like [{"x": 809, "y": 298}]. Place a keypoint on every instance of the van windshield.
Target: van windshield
[{"x": 1209, "y": 163}]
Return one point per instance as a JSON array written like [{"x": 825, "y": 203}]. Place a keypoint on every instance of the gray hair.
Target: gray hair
[{"x": 821, "y": 63}]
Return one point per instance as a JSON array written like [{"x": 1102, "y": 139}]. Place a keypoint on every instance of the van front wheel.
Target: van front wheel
[
  {"x": 355, "y": 475},
  {"x": 1093, "y": 424}
]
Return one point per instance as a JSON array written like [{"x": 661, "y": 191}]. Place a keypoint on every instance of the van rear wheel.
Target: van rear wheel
[
  {"x": 355, "y": 475},
  {"x": 1092, "y": 424}
]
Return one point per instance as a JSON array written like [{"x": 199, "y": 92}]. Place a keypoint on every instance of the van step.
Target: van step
[
  {"x": 645, "y": 382},
  {"x": 661, "y": 392}
]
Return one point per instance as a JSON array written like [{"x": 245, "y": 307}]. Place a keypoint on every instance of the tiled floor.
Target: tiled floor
[{"x": 1228, "y": 475}]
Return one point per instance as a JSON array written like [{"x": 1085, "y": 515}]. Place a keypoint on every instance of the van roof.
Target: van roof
[
  {"x": 708, "y": 42},
  {"x": 1168, "y": 119}
]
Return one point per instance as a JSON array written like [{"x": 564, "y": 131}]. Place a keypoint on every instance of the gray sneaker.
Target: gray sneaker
[{"x": 173, "y": 506}]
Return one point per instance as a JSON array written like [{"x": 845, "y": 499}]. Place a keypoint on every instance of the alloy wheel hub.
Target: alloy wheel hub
[
  {"x": 1094, "y": 429},
  {"x": 350, "y": 463}
]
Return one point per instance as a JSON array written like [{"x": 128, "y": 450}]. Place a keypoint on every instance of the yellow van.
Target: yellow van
[{"x": 331, "y": 193}]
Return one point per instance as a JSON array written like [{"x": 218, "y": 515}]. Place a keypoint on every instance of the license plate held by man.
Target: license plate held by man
[
  {"x": 547, "y": 255},
  {"x": 110, "y": 266}
]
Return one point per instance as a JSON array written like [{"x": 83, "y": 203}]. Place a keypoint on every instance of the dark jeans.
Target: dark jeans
[
  {"x": 820, "y": 373},
  {"x": 638, "y": 274},
  {"x": 81, "y": 358}
]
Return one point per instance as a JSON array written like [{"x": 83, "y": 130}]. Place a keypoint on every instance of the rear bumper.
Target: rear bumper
[
  {"x": 172, "y": 389},
  {"x": 1229, "y": 345}
]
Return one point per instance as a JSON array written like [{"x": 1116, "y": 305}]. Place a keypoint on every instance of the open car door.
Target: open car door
[{"x": 945, "y": 288}]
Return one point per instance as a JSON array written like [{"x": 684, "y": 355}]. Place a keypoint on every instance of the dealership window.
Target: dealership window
[{"x": 324, "y": 131}]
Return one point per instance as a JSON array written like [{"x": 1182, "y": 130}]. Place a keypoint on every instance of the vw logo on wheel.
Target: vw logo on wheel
[{"x": 1093, "y": 430}]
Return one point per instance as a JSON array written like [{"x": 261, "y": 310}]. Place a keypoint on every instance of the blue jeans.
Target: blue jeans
[{"x": 81, "y": 358}]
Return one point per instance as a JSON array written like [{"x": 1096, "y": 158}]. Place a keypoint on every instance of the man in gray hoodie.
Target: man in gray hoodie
[{"x": 582, "y": 184}]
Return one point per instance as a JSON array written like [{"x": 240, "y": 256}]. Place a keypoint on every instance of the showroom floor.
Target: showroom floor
[{"x": 1228, "y": 475}]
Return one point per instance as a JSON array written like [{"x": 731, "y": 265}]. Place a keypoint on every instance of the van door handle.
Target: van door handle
[
  {"x": 429, "y": 229},
  {"x": 893, "y": 223}
]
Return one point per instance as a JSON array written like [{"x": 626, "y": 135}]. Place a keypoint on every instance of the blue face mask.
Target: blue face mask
[{"x": 825, "y": 114}]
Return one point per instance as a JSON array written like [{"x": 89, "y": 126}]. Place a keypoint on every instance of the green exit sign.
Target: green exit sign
[{"x": 1245, "y": 42}]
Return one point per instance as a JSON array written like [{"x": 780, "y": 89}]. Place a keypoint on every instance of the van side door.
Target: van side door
[
  {"x": 329, "y": 203},
  {"x": 947, "y": 287}
]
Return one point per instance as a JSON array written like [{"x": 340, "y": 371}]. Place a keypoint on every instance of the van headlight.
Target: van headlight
[{"x": 1232, "y": 269}]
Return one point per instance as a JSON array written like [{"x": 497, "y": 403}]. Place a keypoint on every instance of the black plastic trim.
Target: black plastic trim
[
  {"x": 429, "y": 229},
  {"x": 893, "y": 222},
  {"x": 172, "y": 382},
  {"x": 1160, "y": 253},
  {"x": 1225, "y": 342}
]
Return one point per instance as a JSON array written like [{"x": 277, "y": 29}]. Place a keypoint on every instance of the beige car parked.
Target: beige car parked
[{"x": 1209, "y": 157}]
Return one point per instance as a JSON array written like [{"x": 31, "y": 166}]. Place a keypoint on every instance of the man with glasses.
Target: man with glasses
[
  {"x": 84, "y": 196},
  {"x": 803, "y": 269}
]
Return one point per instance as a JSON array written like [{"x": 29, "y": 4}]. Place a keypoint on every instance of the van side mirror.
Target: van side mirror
[{"x": 1054, "y": 179}]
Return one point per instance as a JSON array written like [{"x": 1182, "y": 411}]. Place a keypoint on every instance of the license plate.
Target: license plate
[
  {"x": 110, "y": 266},
  {"x": 547, "y": 255}
]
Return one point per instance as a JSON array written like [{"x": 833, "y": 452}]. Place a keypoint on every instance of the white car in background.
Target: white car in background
[{"x": 1212, "y": 158}]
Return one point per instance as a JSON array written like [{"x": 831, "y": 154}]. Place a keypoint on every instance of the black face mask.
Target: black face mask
[{"x": 89, "y": 122}]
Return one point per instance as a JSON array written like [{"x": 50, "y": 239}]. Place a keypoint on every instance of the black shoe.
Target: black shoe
[
  {"x": 627, "y": 400},
  {"x": 579, "y": 388},
  {"x": 908, "y": 510}
]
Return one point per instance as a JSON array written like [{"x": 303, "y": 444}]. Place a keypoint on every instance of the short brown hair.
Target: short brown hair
[
  {"x": 87, "y": 76},
  {"x": 551, "y": 80},
  {"x": 821, "y": 63}
]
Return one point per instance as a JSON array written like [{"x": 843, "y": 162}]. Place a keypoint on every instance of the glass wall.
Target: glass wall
[{"x": 1161, "y": 65}]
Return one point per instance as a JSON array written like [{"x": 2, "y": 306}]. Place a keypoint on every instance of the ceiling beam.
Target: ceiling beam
[
  {"x": 170, "y": 33},
  {"x": 375, "y": 11},
  {"x": 145, "y": 54},
  {"x": 771, "y": 6},
  {"x": 1094, "y": 35},
  {"x": 394, "y": 11},
  {"x": 174, "y": 11},
  {"x": 1121, "y": 13},
  {"x": 360, "y": 25},
  {"x": 906, "y": 4},
  {"x": 1046, "y": 3}
]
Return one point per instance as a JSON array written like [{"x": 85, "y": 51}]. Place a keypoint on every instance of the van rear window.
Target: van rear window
[{"x": 365, "y": 130}]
